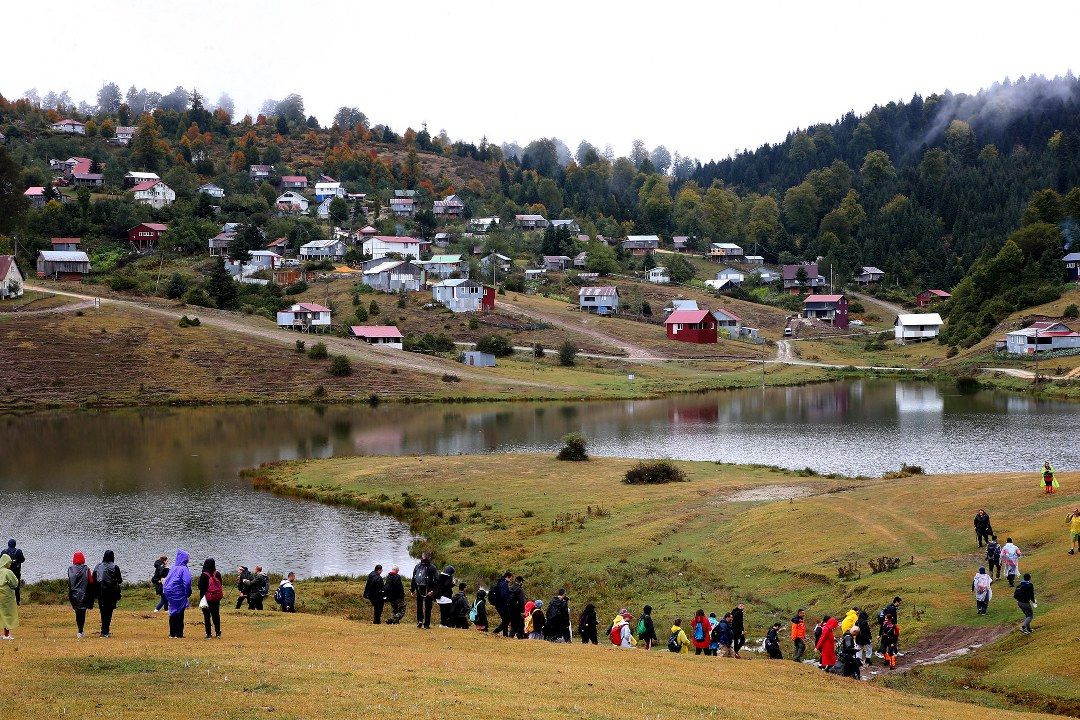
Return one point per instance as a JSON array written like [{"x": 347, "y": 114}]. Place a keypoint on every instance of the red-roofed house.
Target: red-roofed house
[
  {"x": 1042, "y": 336},
  {"x": 35, "y": 196},
  {"x": 384, "y": 335},
  {"x": 379, "y": 246},
  {"x": 280, "y": 246},
  {"x": 68, "y": 243},
  {"x": 692, "y": 326},
  {"x": 68, "y": 125},
  {"x": 154, "y": 193},
  {"x": 926, "y": 297},
  {"x": 260, "y": 172},
  {"x": 305, "y": 317},
  {"x": 145, "y": 236},
  {"x": 11, "y": 278},
  {"x": 293, "y": 182},
  {"x": 832, "y": 309}
]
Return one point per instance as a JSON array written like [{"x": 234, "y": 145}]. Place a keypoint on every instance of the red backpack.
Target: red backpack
[
  {"x": 616, "y": 635},
  {"x": 214, "y": 592}
]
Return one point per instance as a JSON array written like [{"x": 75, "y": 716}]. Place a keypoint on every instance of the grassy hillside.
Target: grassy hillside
[
  {"x": 772, "y": 539},
  {"x": 304, "y": 666}
]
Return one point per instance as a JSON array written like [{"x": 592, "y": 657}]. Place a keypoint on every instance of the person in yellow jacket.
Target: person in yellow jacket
[
  {"x": 1074, "y": 530},
  {"x": 850, "y": 619},
  {"x": 9, "y": 609},
  {"x": 678, "y": 638},
  {"x": 1050, "y": 483}
]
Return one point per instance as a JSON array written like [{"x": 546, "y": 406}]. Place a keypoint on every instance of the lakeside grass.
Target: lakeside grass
[{"x": 709, "y": 543}]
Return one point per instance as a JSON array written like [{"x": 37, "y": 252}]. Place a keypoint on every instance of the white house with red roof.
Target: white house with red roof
[
  {"x": 154, "y": 193},
  {"x": 831, "y": 309},
  {"x": 293, "y": 182},
  {"x": 449, "y": 206},
  {"x": 379, "y": 246},
  {"x": 123, "y": 134},
  {"x": 381, "y": 335},
  {"x": 260, "y": 172},
  {"x": 11, "y": 278},
  {"x": 305, "y": 317},
  {"x": 67, "y": 125},
  {"x": 145, "y": 236},
  {"x": 1042, "y": 336}
]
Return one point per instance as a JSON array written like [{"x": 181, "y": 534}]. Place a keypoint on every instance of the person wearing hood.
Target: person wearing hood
[
  {"x": 738, "y": 629},
  {"x": 444, "y": 595},
  {"x": 826, "y": 644},
  {"x": 714, "y": 644},
  {"x": 80, "y": 590},
  {"x": 850, "y": 619},
  {"x": 587, "y": 625},
  {"x": 983, "y": 529},
  {"x": 849, "y": 653},
  {"x": 478, "y": 614},
  {"x": 424, "y": 579},
  {"x": 993, "y": 557},
  {"x": 499, "y": 596},
  {"x": 866, "y": 639},
  {"x": 177, "y": 589},
  {"x": 395, "y": 595},
  {"x": 107, "y": 579},
  {"x": 558, "y": 617},
  {"x": 622, "y": 625},
  {"x": 161, "y": 570},
  {"x": 798, "y": 635},
  {"x": 515, "y": 605},
  {"x": 1010, "y": 559},
  {"x": 375, "y": 593},
  {"x": 244, "y": 581},
  {"x": 459, "y": 608},
  {"x": 981, "y": 586},
  {"x": 1050, "y": 483},
  {"x": 260, "y": 589},
  {"x": 285, "y": 596},
  {"x": 17, "y": 560},
  {"x": 772, "y": 642},
  {"x": 1073, "y": 521},
  {"x": 700, "y": 630},
  {"x": 677, "y": 641},
  {"x": 537, "y": 621},
  {"x": 9, "y": 608},
  {"x": 647, "y": 634},
  {"x": 889, "y": 640},
  {"x": 724, "y": 635},
  {"x": 211, "y": 593}
]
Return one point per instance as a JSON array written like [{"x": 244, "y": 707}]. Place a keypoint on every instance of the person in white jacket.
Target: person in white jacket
[
  {"x": 1010, "y": 560},
  {"x": 981, "y": 586}
]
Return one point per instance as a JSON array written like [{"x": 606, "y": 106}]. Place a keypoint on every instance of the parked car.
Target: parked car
[
  {"x": 856, "y": 322},
  {"x": 787, "y": 332}
]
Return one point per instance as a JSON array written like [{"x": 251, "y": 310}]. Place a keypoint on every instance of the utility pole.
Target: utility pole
[{"x": 1036, "y": 355}]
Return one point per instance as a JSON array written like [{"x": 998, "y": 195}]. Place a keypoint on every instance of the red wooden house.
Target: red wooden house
[
  {"x": 145, "y": 236},
  {"x": 926, "y": 297},
  {"x": 692, "y": 326}
]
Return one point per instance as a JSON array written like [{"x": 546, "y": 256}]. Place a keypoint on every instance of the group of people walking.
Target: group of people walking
[{"x": 1008, "y": 556}]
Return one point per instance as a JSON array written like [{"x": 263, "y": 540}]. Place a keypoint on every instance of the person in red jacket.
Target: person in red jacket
[
  {"x": 826, "y": 644},
  {"x": 700, "y": 632}
]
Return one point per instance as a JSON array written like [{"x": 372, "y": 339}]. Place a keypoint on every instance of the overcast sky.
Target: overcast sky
[{"x": 706, "y": 79}]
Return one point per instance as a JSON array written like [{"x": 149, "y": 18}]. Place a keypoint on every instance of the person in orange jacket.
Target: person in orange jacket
[
  {"x": 826, "y": 644},
  {"x": 798, "y": 635}
]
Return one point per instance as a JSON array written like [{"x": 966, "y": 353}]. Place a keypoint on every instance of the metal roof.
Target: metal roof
[
  {"x": 376, "y": 331},
  {"x": 822, "y": 298},
  {"x": 686, "y": 317},
  {"x": 919, "y": 319},
  {"x": 64, "y": 256},
  {"x": 599, "y": 290}
]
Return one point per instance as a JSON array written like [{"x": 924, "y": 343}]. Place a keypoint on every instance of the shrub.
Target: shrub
[
  {"x": 199, "y": 297},
  {"x": 122, "y": 282},
  {"x": 364, "y": 289},
  {"x": 1072, "y": 311},
  {"x": 296, "y": 288},
  {"x": 952, "y": 351},
  {"x": 185, "y": 321},
  {"x": 538, "y": 350},
  {"x": 318, "y": 351},
  {"x": 373, "y": 308},
  {"x": 568, "y": 354},
  {"x": 466, "y": 542},
  {"x": 361, "y": 314},
  {"x": 474, "y": 324},
  {"x": 340, "y": 366},
  {"x": 428, "y": 343},
  {"x": 515, "y": 283},
  {"x": 448, "y": 378},
  {"x": 299, "y": 346},
  {"x": 573, "y": 448},
  {"x": 497, "y": 345},
  {"x": 856, "y": 308},
  {"x": 402, "y": 298},
  {"x": 654, "y": 472},
  {"x": 646, "y": 308},
  {"x": 177, "y": 287}
]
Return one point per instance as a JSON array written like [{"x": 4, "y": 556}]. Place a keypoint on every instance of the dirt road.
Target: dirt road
[
  {"x": 889, "y": 307},
  {"x": 586, "y": 324}
]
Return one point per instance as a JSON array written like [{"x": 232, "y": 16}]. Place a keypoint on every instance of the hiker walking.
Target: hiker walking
[
  {"x": 714, "y": 645},
  {"x": 1073, "y": 520},
  {"x": 700, "y": 631},
  {"x": 259, "y": 589},
  {"x": 17, "y": 560},
  {"x": 725, "y": 637},
  {"x": 850, "y": 619},
  {"x": 849, "y": 653},
  {"x": 285, "y": 595},
  {"x": 211, "y": 593},
  {"x": 678, "y": 642},
  {"x": 478, "y": 614},
  {"x": 993, "y": 557},
  {"x": 866, "y": 638},
  {"x": 1050, "y": 483},
  {"x": 424, "y": 576},
  {"x": 558, "y": 617},
  {"x": 459, "y": 608},
  {"x": 826, "y": 644},
  {"x": 1025, "y": 600},
  {"x": 738, "y": 630},
  {"x": 244, "y": 581},
  {"x": 772, "y": 642},
  {"x": 983, "y": 592},
  {"x": 889, "y": 636},
  {"x": 620, "y": 630},
  {"x": 177, "y": 588},
  {"x": 9, "y": 606},
  {"x": 983, "y": 529},
  {"x": 161, "y": 570},
  {"x": 646, "y": 628},
  {"x": 798, "y": 634},
  {"x": 587, "y": 625},
  {"x": 498, "y": 597},
  {"x": 80, "y": 590},
  {"x": 107, "y": 578},
  {"x": 1010, "y": 560},
  {"x": 536, "y": 621},
  {"x": 444, "y": 595},
  {"x": 515, "y": 605},
  {"x": 375, "y": 593},
  {"x": 395, "y": 595}
]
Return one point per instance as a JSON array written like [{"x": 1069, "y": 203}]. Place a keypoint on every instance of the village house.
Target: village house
[
  {"x": 557, "y": 262},
  {"x": 88, "y": 179},
  {"x": 263, "y": 259},
  {"x": 868, "y": 275},
  {"x": 145, "y": 236},
  {"x": 477, "y": 358},
  {"x": 68, "y": 125},
  {"x": 35, "y": 196},
  {"x": 392, "y": 276},
  {"x": 65, "y": 243},
  {"x": 382, "y": 335},
  {"x": 463, "y": 295},
  {"x": 323, "y": 250},
  {"x": 659, "y": 275},
  {"x": 680, "y": 304},
  {"x": 379, "y": 246},
  {"x": 291, "y": 202},
  {"x": 754, "y": 260},
  {"x": 445, "y": 266},
  {"x": 449, "y": 206},
  {"x": 586, "y": 276},
  {"x": 135, "y": 178},
  {"x": 727, "y": 321},
  {"x": 124, "y": 134},
  {"x": 482, "y": 225},
  {"x": 260, "y": 172},
  {"x": 214, "y": 191},
  {"x": 322, "y": 211},
  {"x": 442, "y": 239},
  {"x": 402, "y": 206},
  {"x": 62, "y": 264},
  {"x": 1072, "y": 266},
  {"x": 569, "y": 224},
  {"x": 721, "y": 251},
  {"x": 279, "y": 246},
  {"x": 536, "y": 275},
  {"x": 1042, "y": 336},
  {"x": 293, "y": 182},
  {"x": 324, "y": 190},
  {"x": 917, "y": 327},
  {"x": 530, "y": 222},
  {"x": 680, "y": 243},
  {"x": 12, "y": 282},
  {"x": 928, "y": 297},
  {"x": 601, "y": 300},
  {"x": 219, "y": 244},
  {"x": 731, "y": 274},
  {"x": 581, "y": 259},
  {"x": 792, "y": 282},
  {"x": 692, "y": 326},
  {"x": 154, "y": 193},
  {"x": 366, "y": 232},
  {"x": 74, "y": 165},
  {"x": 502, "y": 262},
  {"x": 765, "y": 275},
  {"x": 305, "y": 317},
  {"x": 638, "y": 245},
  {"x": 831, "y": 309}
]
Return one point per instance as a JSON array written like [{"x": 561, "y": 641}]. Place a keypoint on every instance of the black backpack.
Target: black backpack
[{"x": 673, "y": 643}]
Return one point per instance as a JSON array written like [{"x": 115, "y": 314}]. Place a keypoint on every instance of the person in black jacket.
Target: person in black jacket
[
  {"x": 558, "y": 618},
  {"x": 244, "y": 580},
  {"x": 161, "y": 571},
  {"x": 587, "y": 625},
  {"x": 80, "y": 590},
  {"x": 374, "y": 593},
  {"x": 108, "y": 579},
  {"x": 993, "y": 557},
  {"x": 17, "y": 560},
  {"x": 648, "y": 637},
  {"x": 1025, "y": 600},
  {"x": 444, "y": 596},
  {"x": 259, "y": 589},
  {"x": 983, "y": 530},
  {"x": 459, "y": 609},
  {"x": 499, "y": 596},
  {"x": 210, "y": 589},
  {"x": 481, "y": 621},
  {"x": 515, "y": 605},
  {"x": 865, "y": 638},
  {"x": 424, "y": 577},
  {"x": 738, "y": 630},
  {"x": 849, "y": 653},
  {"x": 395, "y": 595},
  {"x": 772, "y": 642}
]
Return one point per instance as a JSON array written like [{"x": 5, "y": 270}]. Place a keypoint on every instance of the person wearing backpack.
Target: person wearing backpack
[
  {"x": 478, "y": 614},
  {"x": 211, "y": 593},
  {"x": 558, "y": 617},
  {"x": 620, "y": 631},
  {"x": 177, "y": 589},
  {"x": 587, "y": 625},
  {"x": 714, "y": 645},
  {"x": 444, "y": 596},
  {"x": 1025, "y": 600},
  {"x": 17, "y": 560},
  {"x": 424, "y": 577},
  {"x": 161, "y": 570},
  {"x": 107, "y": 578},
  {"x": 285, "y": 595},
  {"x": 826, "y": 644},
  {"x": 515, "y": 605},
  {"x": 646, "y": 628},
  {"x": 772, "y": 642},
  {"x": 699, "y": 632},
  {"x": 375, "y": 593},
  {"x": 849, "y": 653},
  {"x": 259, "y": 589},
  {"x": 80, "y": 590},
  {"x": 798, "y": 634},
  {"x": 993, "y": 557},
  {"x": 244, "y": 580},
  {"x": 981, "y": 586},
  {"x": 677, "y": 641},
  {"x": 724, "y": 635},
  {"x": 536, "y": 622},
  {"x": 866, "y": 639},
  {"x": 395, "y": 595},
  {"x": 499, "y": 596},
  {"x": 889, "y": 638}
]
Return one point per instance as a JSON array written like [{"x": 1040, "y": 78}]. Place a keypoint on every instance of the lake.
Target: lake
[{"x": 144, "y": 481}]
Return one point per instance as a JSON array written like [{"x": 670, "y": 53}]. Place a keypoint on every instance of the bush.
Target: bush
[
  {"x": 364, "y": 289},
  {"x": 856, "y": 308},
  {"x": 497, "y": 345},
  {"x": 185, "y": 321},
  {"x": 515, "y": 283},
  {"x": 654, "y": 472},
  {"x": 340, "y": 366},
  {"x": 177, "y": 287},
  {"x": 122, "y": 282},
  {"x": 1072, "y": 311},
  {"x": 646, "y": 308},
  {"x": 538, "y": 350},
  {"x": 573, "y": 448},
  {"x": 474, "y": 324},
  {"x": 318, "y": 351},
  {"x": 448, "y": 378},
  {"x": 568, "y": 354},
  {"x": 296, "y": 288},
  {"x": 198, "y": 296},
  {"x": 428, "y": 343},
  {"x": 373, "y": 308},
  {"x": 952, "y": 351},
  {"x": 361, "y": 314},
  {"x": 299, "y": 346},
  {"x": 402, "y": 297}
]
